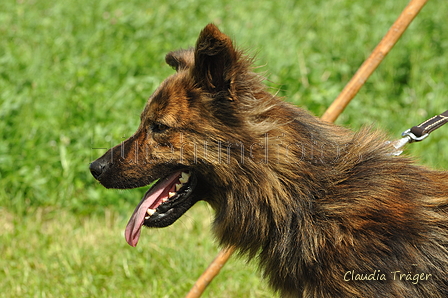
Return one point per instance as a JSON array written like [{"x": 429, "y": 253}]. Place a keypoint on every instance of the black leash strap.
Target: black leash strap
[{"x": 421, "y": 131}]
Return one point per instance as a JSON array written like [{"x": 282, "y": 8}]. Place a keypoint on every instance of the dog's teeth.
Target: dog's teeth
[
  {"x": 185, "y": 177},
  {"x": 165, "y": 200},
  {"x": 178, "y": 186},
  {"x": 151, "y": 211},
  {"x": 146, "y": 217},
  {"x": 171, "y": 194}
]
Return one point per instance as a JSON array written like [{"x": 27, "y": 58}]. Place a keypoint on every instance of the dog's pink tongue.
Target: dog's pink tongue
[{"x": 156, "y": 193}]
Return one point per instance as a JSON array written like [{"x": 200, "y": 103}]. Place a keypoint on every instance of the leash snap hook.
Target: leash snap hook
[{"x": 412, "y": 137}]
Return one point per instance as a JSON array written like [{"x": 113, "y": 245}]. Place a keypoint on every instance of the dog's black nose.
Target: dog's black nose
[{"x": 96, "y": 168}]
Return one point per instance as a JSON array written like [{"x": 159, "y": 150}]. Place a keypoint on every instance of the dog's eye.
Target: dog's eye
[{"x": 158, "y": 127}]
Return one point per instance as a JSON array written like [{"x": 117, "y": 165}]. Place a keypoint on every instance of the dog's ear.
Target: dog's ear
[
  {"x": 181, "y": 59},
  {"x": 214, "y": 60}
]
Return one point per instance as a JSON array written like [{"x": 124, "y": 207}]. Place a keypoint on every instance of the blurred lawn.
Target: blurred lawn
[{"x": 74, "y": 76}]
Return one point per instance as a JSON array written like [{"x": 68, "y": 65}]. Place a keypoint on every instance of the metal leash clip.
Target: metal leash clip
[
  {"x": 412, "y": 137},
  {"x": 420, "y": 132}
]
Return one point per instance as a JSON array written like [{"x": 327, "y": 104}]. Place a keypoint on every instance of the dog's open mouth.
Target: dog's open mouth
[{"x": 162, "y": 204}]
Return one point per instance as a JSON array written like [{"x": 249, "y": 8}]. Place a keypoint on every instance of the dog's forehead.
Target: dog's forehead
[{"x": 169, "y": 100}]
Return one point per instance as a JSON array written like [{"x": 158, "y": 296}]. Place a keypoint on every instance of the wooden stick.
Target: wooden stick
[
  {"x": 378, "y": 54},
  {"x": 212, "y": 270},
  {"x": 330, "y": 115}
]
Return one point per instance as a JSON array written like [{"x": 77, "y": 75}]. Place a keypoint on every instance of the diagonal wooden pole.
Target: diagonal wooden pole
[
  {"x": 210, "y": 273},
  {"x": 375, "y": 58},
  {"x": 330, "y": 115}
]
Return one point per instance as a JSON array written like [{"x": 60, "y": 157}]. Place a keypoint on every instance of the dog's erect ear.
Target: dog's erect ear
[
  {"x": 181, "y": 59},
  {"x": 214, "y": 60}
]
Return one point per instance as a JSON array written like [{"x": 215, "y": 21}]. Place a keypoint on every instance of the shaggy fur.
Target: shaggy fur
[{"x": 327, "y": 212}]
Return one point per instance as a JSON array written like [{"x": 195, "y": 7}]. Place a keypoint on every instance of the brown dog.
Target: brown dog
[{"x": 328, "y": 212}]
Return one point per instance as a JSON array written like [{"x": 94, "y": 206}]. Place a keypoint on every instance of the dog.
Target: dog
[{"x": 327, "y": 212}]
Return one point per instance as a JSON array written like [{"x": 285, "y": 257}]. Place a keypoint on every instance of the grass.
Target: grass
[
  {"x": 74, "y": 76},
  {"x": 55, "y": 253}
]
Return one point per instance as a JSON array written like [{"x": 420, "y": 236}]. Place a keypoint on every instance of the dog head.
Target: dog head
[{"x": 184, "y": 134}]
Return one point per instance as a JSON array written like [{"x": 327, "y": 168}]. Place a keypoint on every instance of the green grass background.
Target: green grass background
[{"x": 74, "y": 75}]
